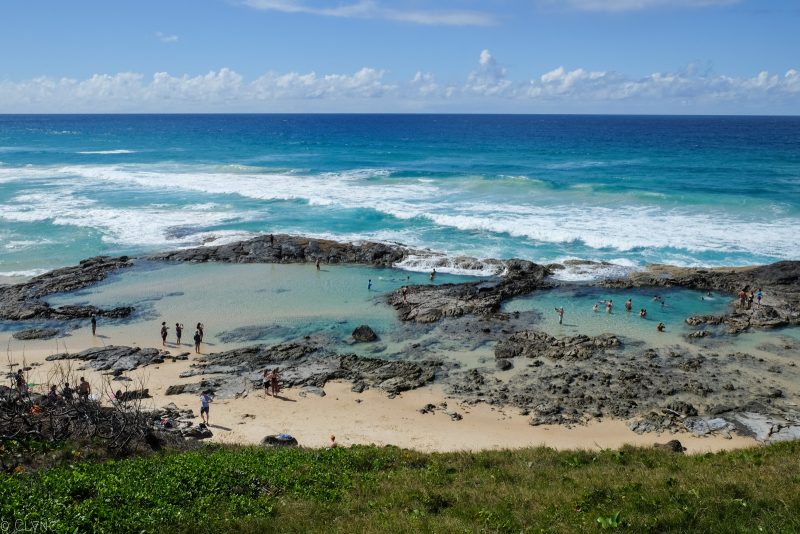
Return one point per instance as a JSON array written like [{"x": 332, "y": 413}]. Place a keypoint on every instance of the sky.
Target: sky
[{"x": 464, "y": 56}]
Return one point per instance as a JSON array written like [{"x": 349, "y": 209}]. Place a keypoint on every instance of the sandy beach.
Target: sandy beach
[{"x": 370, "y": 417}]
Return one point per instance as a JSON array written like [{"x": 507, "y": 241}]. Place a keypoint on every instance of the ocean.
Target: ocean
[{"x": 628, "y": 190}]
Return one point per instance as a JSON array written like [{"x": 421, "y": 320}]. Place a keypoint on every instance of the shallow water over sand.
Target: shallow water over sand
[{"x": 581, "y": 318}]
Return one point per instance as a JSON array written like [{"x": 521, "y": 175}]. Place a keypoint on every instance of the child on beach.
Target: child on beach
[
  {"x": 164, "y": 330},
  {"x": 205, "y": 399}
]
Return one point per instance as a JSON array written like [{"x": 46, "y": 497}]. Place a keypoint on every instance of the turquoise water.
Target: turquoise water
[
  {"x": 629, "y": 190},
  {"x": 282, "y": 302},
  {"x": 580, "y": 317}
]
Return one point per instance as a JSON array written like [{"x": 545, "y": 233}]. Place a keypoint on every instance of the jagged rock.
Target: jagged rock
[
  {"x": 698, "y": 334},
  {"x": 364, "y": 334},
  {"x": 25, "y": 301},
  {"x": 36, "y": 333},
  {"x": 671, "y": 446},
  {"x": 534, "y": 343},
  {"x": 114, "y": 358},
  {"x": 197, "y": 432}
]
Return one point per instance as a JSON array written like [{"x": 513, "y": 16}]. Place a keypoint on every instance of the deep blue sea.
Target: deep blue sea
[{"x": 623, "y": 189}]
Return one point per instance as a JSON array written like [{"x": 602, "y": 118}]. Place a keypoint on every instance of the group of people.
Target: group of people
[
  {"x": 82, "y": 392},
  {"x": 748, "y": 295},
  {"x": 271, "y": 382},
  {"x": 609, "y": 306},
  {"x": 198, "y": 334}
]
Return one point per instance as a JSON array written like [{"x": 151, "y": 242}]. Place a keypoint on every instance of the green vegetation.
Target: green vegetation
[{"x": 369, "y": 489}]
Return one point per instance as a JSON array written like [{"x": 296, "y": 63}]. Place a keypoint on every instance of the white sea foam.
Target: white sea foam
[
  {"x": 30, "y": 273},
  {"x": 117, "y": 151},
  {"x": 449, "y": 264},
  {"x": 574, "y": 271},
  {"x": 148, "y": 226},
  {"x": 610, "y": 223}
]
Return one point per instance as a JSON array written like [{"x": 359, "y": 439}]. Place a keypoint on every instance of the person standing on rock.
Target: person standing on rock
[
  {"x": 94, "y": 324},
  {"x": 164, "y": 330},
  {"x": 205, "y": 400},
  {"x": 22, "y": 384},
  {"x": 404, "y": 292},
  {"x": 560, "y": 312},
  {"x": 198, "y": 338},
  {"x": 759, "y": 296},
  {"x": 178, "y": 333},
  {"x": 273, "y": 379}
]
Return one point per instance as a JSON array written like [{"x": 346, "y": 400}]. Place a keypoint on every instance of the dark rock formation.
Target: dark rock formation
[
  {"x": 430, "y": 303},
  {"x": 364, "y": 334},
  {"x": 232, "y": 373},
  {"x": 115, "y": 359},
  {"x": 534, "y": 343},
  {"x": 291, "y": 249},
  {"x": 25, "y": 301},
  {"x": 36, "y": 333}
]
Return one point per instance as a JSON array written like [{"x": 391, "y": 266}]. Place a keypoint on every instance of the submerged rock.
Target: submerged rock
[{"x": 364, "y": 334}]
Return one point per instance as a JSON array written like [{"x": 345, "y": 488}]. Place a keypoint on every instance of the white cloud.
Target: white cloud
[
  {"x": 489, "y": 79},
  {"x": 370, "y": 9},
  {"x": 166, "y": 38},
  {"x": 635, "y": 5},
  {"x": 488, "y": 88}
]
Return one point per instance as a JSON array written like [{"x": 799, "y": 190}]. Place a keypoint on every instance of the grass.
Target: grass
[{"x": 369, "y": 489}]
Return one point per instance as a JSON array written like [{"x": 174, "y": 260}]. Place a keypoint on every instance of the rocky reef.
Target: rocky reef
[{"x": 26, "y": 301}]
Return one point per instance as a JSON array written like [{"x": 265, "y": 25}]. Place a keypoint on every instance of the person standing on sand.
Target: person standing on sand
[
  {"x": 560, "y": 312},
  {"x": 200, "y": 327},
  {"x": 94, "y": 324},
  {"x": 164, "y": 330},
  {"x": 273, "y": 379},
  {"x": 205, "y": 400},
  {"x": 628, "y": 305},
  {"x": 84, "y": 390},
  {"x": 178, "y": 332},
  {"x": 267, "y": 382},
  {"x": 198, "y": 338},
  {"x": 332, "y": 444}
]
